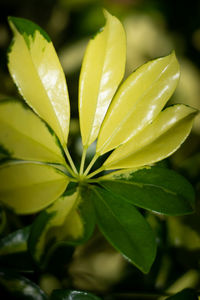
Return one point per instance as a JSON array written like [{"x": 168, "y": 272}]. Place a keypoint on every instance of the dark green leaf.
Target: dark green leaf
[
  {"x": 186, "y": 294},
  {"x": 72, "y": 295},
  {"x": 20, "y": 287},
  {"x": 13, "y": 251},
  {"x": 26, "y": 28},
  {"x": 125, "y": 228},
  {"x": 153, "y": 188}
]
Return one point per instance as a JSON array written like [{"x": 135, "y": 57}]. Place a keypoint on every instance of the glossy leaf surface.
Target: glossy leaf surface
[
  {"x": 35, "y": 68},
  {"x": 155, "y": 142},
  {"x": 138, "y": 102},
  {"x": 153, "y": 188},
  {"x": 72, "y": 295},
  {"x": 30, "y": 187},
  {"x": 186, "y": 294},
  {"x": 20, "y": 287},
  {"x": 14, "y": 253},
  {"x": 125, "y": 228},
  {"x": 102, "y": 70},
  {"x": 25, "y": 135},
  {"x": 15, "y": 241},
  {"x": 63, "y": 221}
]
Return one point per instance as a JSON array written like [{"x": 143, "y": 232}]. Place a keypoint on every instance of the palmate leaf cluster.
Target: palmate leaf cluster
[{"x": 129, "y": 119}]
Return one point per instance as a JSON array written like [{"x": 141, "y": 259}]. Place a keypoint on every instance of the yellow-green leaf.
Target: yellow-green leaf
[
  {"x": 102, "y": 70},
  {"x": 25, "y": 135},
  {"x": 29, "y": 187},
  {"x": 155, "y": 142},
  {"x": 138, "y": 101},
  {"x": 59, "y": 222},
  {"x": 36, "y": 70}
]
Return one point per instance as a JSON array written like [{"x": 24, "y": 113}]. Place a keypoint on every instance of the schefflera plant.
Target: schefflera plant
[{"x": 129, "y": 119}]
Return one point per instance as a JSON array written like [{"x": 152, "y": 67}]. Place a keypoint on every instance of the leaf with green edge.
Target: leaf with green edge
[
  {"x": 156, "y": 141},
  {"x": 41, "y": 80},
  {"x": 157, "y": 189},
  {"x": 138, "y": 101},
  {"x": 186, "y": 294},
  {"x": 20, "y": 287},
  {"x": 72, "y": 295},
  {"x": 69, "y": 220},
  {"x": 15, "y": 241},
  {"x": 25, "y": 136},
  {"x": 125, "y": 228},
  {"x": 27, "y": 187},
  {"x": 105, "y": 57}
]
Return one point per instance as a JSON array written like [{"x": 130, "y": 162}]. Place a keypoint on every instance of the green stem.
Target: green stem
[
  {"x": 64, "y": 168},
  {"x": 91, "y": 164},
  {"x": 71, "y": 162},
  {"x": 96, "y": 172},
  {"x": 83, "y": 160},
  {"x": 73, "y": 179}
]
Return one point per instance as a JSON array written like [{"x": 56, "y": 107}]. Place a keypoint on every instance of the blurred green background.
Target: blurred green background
[{"x": 153, "y": 28}]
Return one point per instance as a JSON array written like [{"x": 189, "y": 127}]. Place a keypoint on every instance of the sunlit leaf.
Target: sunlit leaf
[
  {"x": 35, "y": 68},
  {"x": 30, "y": 187},
  {"x": 125, "y": 228},
  {"x": 63, "y": 221},
  {"x": 156, "y": 189},
  {"x": 138, "y": 102},
  {"x": 72, "y": 295},
  {"x": 102, "y": 70},
  {"x": 155, "y": 142},
  {"x": 20, "y": 287},
  {"x": 25, "y": 136}
]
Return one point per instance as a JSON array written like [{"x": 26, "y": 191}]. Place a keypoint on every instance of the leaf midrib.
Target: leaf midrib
[
  {"x": 35, "y": 68},
  {"x": 118, "y": 221},
  {"x": 162, "y": 135},
  {"x": 30, "y": 138},
  {"x": 102, "y": 69},
  {"x": 31, "y": 185},
  {"x": 123, "y": 121},
  {"x": 142, "y": 184}
]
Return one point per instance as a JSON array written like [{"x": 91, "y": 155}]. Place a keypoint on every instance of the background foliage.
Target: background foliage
[{"x": 153, "y": 29}]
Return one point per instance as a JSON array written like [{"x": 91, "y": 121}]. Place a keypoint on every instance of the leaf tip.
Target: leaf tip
[
  {"x": 26, "y": 27},
  {"x": 106, "y": 13}
]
